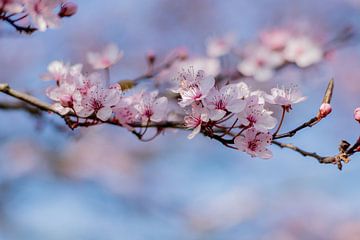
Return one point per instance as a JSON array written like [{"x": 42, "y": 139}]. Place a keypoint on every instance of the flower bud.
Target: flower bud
[
  {"x": 325, "y": 109},
  {"x": 151, "y": 57},
  {"x": 182, "y": 53},
  {"x": 68, "y": 9},
  {"x": 357, "y": 114}
]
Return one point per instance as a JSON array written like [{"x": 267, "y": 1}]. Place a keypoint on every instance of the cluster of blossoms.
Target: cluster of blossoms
[
  {"x": 210, "y": 108},
  {"x": 274, "y": 48},
  {"x": 92, "y": 96},
  {"x": 41, "y": 14},
  {"x": 207, "y": 107}
]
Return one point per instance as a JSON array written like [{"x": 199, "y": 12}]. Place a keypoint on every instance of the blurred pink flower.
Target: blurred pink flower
[
  {"x": 260, "y": 63},
  {"x": 42, "y": 13},
  {"x": 106, "y": 58},
  {"x": 302, "y": 51},
  {"x": 275, "y": 39},
  {"x": 357, "y": 114},
  {"x": 11, "y": 6},
  {"x": 217, "y": 47},
  {"x": 254, "y": 143}
]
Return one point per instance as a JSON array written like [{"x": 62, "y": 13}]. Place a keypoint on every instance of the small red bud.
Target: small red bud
[
  {"x": 357, "y": 114},
  {"x": 182, "y": 53},
  {"x": 68, "y": 9},
  {"x": 325, "y": 109},
  {"x": 151, "y": 57}
]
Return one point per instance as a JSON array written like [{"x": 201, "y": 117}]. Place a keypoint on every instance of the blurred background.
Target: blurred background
[{"x": 102, "y": 183}]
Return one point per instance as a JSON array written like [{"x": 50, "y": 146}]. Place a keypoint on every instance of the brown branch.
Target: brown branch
[
  {"x": 26, "y": 29},
  {"x": 11, "y": 106},
  {"x": 5, "y": 88}
]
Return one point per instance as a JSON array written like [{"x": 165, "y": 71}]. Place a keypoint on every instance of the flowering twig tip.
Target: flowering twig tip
[{"x": 329, "y": 92}]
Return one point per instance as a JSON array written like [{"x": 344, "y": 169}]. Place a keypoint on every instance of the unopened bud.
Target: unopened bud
[
  {"x": 182, "y": 53},
  {"x": 68, "y": 9},
  {"x": 357, "y": 114},
  {"x": 325, "y": 109},
  {"x": 151, "y": 57}
]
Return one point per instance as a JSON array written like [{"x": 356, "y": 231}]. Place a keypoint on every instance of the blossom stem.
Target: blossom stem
[
  {"x": 281, "y": 121},
  {"x": 107, "y": 75}
]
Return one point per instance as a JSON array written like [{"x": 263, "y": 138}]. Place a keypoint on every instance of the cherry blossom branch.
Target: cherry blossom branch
[
  {"x": 36, "y": 106},
  {"x": 326, "y": 99},
  {"x": 343, "y": 156}
]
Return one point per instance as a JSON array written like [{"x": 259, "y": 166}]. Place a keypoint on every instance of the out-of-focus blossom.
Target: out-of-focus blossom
[
  {"x": 285, "y": 97},
  {"x": 193, "y": 87},
  {"x": 275, "y": 39},
  {"x": 152, "y": 108},
  {"x": 228, "y": 98},
  {"x": 254, "y": 115},
  {"x": 217, "y": 47},
  {"x": 193, "y": 121},
  {"x": 211, "y": 66},
  {"x": 254, "y": 143},
  {"x": 99, "y": 101},
  {"x": 42, "y": 13},
  {"x": 260, "y": 63},
  {"x": 68, "y": 9},
  {"x": 60, "y": 71},
  {"x": 325, "y": 109},
  {"x": 303, "y": 51},
  {"x": 106, "y": 58},
  {"x": 57, "y": 71},
  {"x": 11, "y": 6},
  {"x": 357, "y": 114}
]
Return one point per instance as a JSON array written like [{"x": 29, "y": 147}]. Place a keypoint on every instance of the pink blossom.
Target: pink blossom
[
  {"x": 60, "y": 71},
  {"x": 254, "y": 143},
  {"x": 99, "y": 100},
  {"x": 284, "y": 97},
  {"x": 11, "y": 6},
  {"x": 193, "y": 87},
  {"x": 217, "y": 47},
  {"x": 42, "y": 13},
  {"x": 151, "y": 108},
  {"x": 303, "y": 51},
  {"x": 125, "y": 111},
  {"x": 193, "y": 121},
  {"x": 260, "y": 64},
  {"x": 275, "y": 39},
  {"x": 357, "y": 114},
  {"x": 211, "y": 66},
  {"x": 68, "y": 9},
  {"x": 325, "y": 109},
  {"x": 254, "y": 115},
  {"x": 85, "y": 83},
  {"x": 65, "y": 96},
  {"x": 227, "y": 99},
  {"x": 106, "y": 58}
]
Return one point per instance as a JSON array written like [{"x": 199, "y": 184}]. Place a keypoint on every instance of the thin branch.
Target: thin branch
[
  {"x": 28, "y": 29},
  {"x": 326, "y": 99}
]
